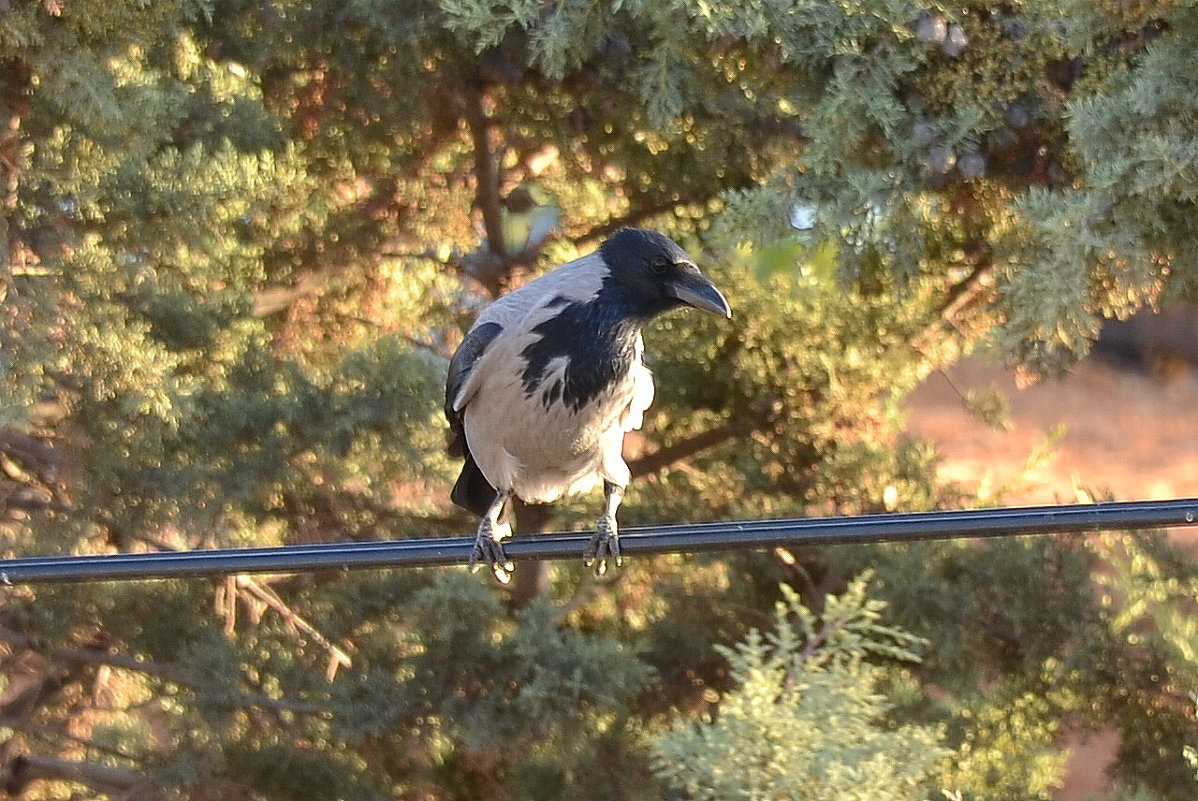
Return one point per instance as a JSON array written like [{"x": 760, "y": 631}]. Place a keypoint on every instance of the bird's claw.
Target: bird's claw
[
  {"x": 488, "y": 548},
  {"x": 604, "y": 542}
]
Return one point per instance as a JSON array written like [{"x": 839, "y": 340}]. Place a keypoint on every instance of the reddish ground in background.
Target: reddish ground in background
[{"x": 1128, "y": 435}]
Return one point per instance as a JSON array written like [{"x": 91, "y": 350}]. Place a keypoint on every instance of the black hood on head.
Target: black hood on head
[
  {"x": 652, "y": 273},
  {"x": 633, "y": 245}
]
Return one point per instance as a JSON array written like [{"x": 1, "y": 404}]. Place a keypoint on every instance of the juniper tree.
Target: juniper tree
[
  {"x": 806, "y": 718},
  {"x": 240, "y": 238}
]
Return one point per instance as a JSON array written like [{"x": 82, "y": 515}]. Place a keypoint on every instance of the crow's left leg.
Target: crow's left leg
[{"x": 606, "y": 539}]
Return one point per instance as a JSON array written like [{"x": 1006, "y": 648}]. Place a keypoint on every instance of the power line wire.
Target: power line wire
[{"x": 694, "y": 537}]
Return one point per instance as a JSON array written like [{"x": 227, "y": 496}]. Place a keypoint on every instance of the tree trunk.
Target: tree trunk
[{"x": 531, "y": 579}]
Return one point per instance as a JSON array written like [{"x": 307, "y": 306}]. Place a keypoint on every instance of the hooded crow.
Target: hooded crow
[{"x": 551, "y": 376}]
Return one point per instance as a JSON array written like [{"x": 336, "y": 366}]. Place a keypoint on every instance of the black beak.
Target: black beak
[{"x": 694, "y": 289}]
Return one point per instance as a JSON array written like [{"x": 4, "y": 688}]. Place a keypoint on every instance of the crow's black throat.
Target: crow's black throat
[{"x": 597, "y": 338}]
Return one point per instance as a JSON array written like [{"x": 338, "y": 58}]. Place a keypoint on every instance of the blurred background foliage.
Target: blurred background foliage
[{"x": 239, "y": 240}]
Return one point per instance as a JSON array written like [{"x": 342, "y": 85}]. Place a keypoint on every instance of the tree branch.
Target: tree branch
[
  {"x": 486, "y": 171},
  {"x": 169, "y": 673},
  {"x": 124, "y": 783},
  {"x": 35, "y": 455},
  {"x": 662, "y": 458},
  {"x": 636, "y": 217},
  {"x": 32, "y": 499},
  {"x": 275, "y": 298},
  {"x": 22, "y": 707},
  {"x": 959, "y": 297},
  {"x": 52, "y": 734},
  {"x": 488, "y": 271},
  {"x": 337, "y": 657}
]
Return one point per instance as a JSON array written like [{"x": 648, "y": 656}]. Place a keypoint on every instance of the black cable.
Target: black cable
[{"x": 912, "y": 527}]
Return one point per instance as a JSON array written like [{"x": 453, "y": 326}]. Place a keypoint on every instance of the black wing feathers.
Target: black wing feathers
[
  {"x": 472, "y": 491},
  {"x": 460, "y": 365}
]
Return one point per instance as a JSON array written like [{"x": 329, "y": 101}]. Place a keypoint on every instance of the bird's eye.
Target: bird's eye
[{"x": 659, "y": 264}]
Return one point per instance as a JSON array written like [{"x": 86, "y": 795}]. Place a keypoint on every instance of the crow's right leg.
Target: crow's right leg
[{"x": 488, "y": 545}]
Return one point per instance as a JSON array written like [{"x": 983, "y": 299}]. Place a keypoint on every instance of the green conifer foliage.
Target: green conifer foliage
[{"x": 806, "y": 718}]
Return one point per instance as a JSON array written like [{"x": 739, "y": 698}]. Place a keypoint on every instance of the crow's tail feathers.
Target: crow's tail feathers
[{"x": 472, "y": 490}]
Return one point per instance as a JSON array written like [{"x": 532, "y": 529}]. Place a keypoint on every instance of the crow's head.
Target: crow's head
[{"x": 653, "y": 274}]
